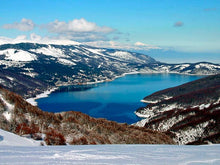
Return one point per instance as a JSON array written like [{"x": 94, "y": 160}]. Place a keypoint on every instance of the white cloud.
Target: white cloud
[
  {"x": 78, "y": 29},
  {"x": 34, "y": 38},
  {"x": 24, "y": 25},
  {"x": 117, "y": 45},
  {"x": 76, "y": 25},
  {"x": 139, "y": 44}
]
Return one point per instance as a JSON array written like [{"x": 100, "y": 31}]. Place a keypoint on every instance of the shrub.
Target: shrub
[{"x": 54, "y": 138}]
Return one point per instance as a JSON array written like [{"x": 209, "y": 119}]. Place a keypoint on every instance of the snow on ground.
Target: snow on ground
[
  {"x": 209, "y": 66},
  {"x": 50, "y": 51},
  {"x": 42, "y": 95},
  {"x": 10, "y": 139},
  {"x": 65, "y": 61},
  {"x": 111, "y": 154},
  {"x": 9, "y": 107},
  {"x": 123, "y": 55},
  {"x": 19, "y": 150},
  {"x": 96, "y": 51},
  {"x": 18, "y": 55}
]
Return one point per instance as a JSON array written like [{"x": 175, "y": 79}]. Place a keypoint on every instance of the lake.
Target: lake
[{"x": 116, "y": 100}]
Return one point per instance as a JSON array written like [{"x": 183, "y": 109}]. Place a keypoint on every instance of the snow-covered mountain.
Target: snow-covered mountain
[
  {"x": 35, "y": 67},
  {"x": 190, "y": 113}
]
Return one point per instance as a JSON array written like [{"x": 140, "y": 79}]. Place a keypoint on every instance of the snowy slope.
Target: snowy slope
[
  {"x": 10, "y": 139},
  {"x": 190, "y": 111},
  {"x": 62, "y": 65},
  {"x": 112, "y": 154},
  {"x": 18, "y": 150}
]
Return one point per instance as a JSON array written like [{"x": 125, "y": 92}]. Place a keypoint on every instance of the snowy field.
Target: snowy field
[
  {"x": 17, "y": 150},
  {"x": 111, "y": 154}
]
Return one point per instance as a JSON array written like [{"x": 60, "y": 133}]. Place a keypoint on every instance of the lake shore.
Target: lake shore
[{"x": 46, "y": 93}]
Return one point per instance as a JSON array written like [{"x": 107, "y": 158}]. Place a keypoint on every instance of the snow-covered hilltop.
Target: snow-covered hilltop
[
  {"x": 31, "y": 68},
  {"x": 190, "y": 113}
]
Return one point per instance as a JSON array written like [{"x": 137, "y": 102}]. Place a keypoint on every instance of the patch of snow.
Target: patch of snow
[
  {"x": 18, "y": 55},
  {"x": 65, "y": 61},
  {"x": 208, "y": 66},
  {"x": 96, "y": 51},
  {"x": 141, "y": 123},
  {"x": 146, "y": 113},
  {"x": 184, "y": 66},
  {"x": 33, "y": 102},
  {"x": 10, "y": 139},
  {"x": 149, "y": 101},
  {"x": 10, "y": 78},
  {"x": 11, "y": 64},
  {"x": 7, "y": 115},
  {"x": 168, "y": 107},
  {"x": 186, "y": 136},
  {"x": 167, "y": 97},
  {"x": 217, "y": 102},
  {"x": 50, "y": 51},
  {"x": 31, "y": 74},
  {"x": 2, "y": 81},
  {"x": 165, "y": 125},
  {"x": 203, "y": 106},
  {"x": 9, "y": 107},
  {"x": 123, "y": 55}
]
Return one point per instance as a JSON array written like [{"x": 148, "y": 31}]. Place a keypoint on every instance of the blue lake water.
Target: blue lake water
[{"x": 116, "y": 100}]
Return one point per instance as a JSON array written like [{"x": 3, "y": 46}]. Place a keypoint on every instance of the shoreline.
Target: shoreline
[{"x": 46, "y": 93}]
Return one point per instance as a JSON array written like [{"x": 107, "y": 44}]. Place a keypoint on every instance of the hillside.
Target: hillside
[
  {"x": 10, "y": 139},
  {"x": 190, "y": 113},
  {"x": 20, "y": 117},
  {"x": 35, "y": 67}
]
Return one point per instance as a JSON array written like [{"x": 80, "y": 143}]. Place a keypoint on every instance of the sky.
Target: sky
[{"x": 168, "y": 30}]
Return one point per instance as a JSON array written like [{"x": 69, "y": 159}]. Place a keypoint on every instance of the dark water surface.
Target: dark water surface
[{"x": 116, "y": 100}]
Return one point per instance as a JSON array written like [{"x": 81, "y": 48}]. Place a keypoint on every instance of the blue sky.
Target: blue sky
[{"x": 171, "y": 31}]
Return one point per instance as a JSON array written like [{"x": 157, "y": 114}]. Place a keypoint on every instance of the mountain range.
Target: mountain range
[
  {"x": 190, "y": 113},
  {"x": 31, "y": 68}
]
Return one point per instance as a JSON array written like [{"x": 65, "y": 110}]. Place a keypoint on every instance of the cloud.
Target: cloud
[
  {"x": 76, "y": 25},
  {"x": 140, "y": 44},
  {"x": 78, "y": 29},
  {"x": 34, "y": 38},
  {"x": 24, "y": 25},
  {"x": 178, "y": 24},
  {"x": 125, "y": 46}
]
